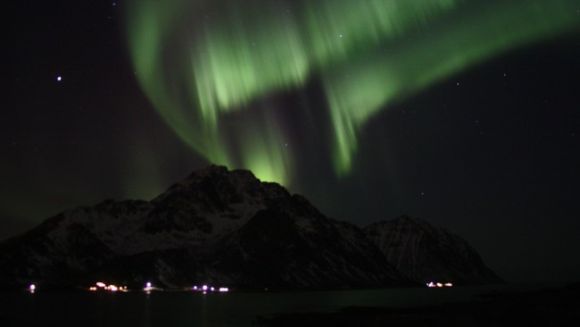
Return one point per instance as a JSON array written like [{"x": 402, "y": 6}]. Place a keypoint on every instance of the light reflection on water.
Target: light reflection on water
[{"x": 195, "y": 309}]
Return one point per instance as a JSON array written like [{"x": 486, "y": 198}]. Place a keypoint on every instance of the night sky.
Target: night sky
[{"x": 463, "y": 113}]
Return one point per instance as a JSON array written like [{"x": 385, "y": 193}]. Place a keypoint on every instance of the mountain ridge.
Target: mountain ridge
[{"x": 216, "y": 225}]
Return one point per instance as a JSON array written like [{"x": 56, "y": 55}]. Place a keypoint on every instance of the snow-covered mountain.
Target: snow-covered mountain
[
  {"x": 425, "y": 253},
  {"x": 216, "y": 226}
]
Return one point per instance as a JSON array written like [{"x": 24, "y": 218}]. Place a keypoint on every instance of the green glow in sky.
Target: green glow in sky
[{"x": 205, "y": 64}]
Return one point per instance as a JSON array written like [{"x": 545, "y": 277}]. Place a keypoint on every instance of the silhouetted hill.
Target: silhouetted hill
[
  {"x": 216, "y": 226},
  {"x": 423, "y": 252}
]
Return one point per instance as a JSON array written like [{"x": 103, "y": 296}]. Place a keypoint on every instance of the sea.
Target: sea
[{"x": 173, "y": 308}]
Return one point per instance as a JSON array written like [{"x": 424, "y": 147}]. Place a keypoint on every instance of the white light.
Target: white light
[
  {"x": 204, "y": 288},
  {"x": 430, "y": 284},
  {"x": 224, "y": 289},
  {"x": 212, "y": 288},
  {"x": 195, "y": 288},
  {"x": 101, "y": 285},
  {"x": 59, "y": 78},
  {"x": 439, "y": 285},
  {"x": 149, "y": 287},
  {"x": 449, "y": 284},
  {"x": 32, "y": 288}
]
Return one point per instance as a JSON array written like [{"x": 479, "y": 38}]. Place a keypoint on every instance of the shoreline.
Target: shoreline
[{"x": 541, "y": 307}]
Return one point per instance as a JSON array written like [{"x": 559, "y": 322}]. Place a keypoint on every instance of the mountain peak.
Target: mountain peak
[
  {"x": 404, "y": 219},
  {"x": 221, "y": 184},
  {"x": 209, "y": 171},
  {"x": 424, "y": 252},
  {"x": 219, "y": 174}
]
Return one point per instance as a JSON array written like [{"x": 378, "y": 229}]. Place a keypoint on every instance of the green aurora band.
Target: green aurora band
[{"x": 206, "y": 64}]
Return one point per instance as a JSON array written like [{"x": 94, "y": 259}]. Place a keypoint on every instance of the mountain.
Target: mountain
[
  {"x": 216, "y": 226},
  {"x": 425, "y": 253}
]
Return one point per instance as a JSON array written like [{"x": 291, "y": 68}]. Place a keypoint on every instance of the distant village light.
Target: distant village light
[
  {"x": 439, "y": 285},
  {"x": 148, "y": 287},
  {"x": 100, "y": 286}
]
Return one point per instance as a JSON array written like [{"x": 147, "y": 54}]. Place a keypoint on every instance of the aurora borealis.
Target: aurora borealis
[
  {"x": 203, "y": 64},
  {"x": 463, "y": 113}
]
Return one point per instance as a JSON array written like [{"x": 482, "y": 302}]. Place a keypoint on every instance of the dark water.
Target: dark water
[{"x": 194, "y": 309}]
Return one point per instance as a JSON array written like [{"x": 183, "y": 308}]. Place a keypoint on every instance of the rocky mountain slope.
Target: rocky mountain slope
[
  {"x": 425, "y": 253},
  {"x": 216, "y": 226}
]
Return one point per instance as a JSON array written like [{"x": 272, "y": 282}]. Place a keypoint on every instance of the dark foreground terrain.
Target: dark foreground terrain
[{"x": 549, "y": 307}]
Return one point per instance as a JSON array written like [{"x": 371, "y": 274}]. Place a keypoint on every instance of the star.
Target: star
[{"x": 59, "y": 78}]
